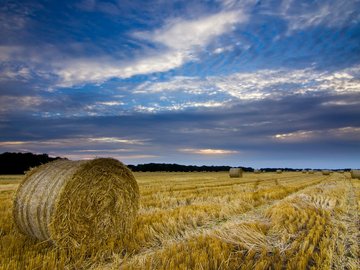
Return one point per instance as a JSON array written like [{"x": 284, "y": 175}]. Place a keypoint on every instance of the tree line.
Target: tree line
[{"x": 19, "y": 163}]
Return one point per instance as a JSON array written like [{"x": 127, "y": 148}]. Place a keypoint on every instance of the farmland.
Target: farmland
[{"x": 210, "y": 221}]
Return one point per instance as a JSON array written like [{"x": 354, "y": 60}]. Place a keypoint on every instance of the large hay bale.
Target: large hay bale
[
  {"x": 311, "y": 172},
  {"x": 326, "y": 172},
  {"x": 278, "y": 171},
  {"x": 77, "y": 204},
  {"x": 257, "y": 171},
  {"x": 235, "y": 172},
  {"x": 355, "y": 174}
]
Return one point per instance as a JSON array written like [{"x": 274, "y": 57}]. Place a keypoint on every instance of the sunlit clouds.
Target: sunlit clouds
[{"x": 195, "y": 82}]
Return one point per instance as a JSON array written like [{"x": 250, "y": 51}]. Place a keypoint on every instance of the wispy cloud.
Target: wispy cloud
[
  {"x": 336, "y": 14},
  {"x": 84, "y": 142},
  {"x": 124, "y": 158},
  {"x": 179, "y": 41},
  {"x": 116, "y": 140},
  {"x": 259, "y": 85},
  {"x": 13, "y": 103},
  {"x": 208, "y": 151},
  {"x": 186, "y": 35},
  {"x": 305, "y": 135},
  {"x": 179, "y": 106}
]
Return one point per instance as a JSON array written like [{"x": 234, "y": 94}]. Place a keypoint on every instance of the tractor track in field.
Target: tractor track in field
[
  {"x": 253, "y": 214},
  {"x": 351, "y": 218}
]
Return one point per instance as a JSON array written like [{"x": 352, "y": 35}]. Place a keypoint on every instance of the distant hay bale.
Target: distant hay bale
[
  {"x": 257, "y": 171},
  {"x": 87, "y": 204},
  {"x": 355, "y": 174},
  {"x": 303, "y": 171},
  {"x": 326, "y": 172},
  {"x": 311, "y": 172},
  {"x": 235, "y": 172},
  {"x": 279, "y": 171}
]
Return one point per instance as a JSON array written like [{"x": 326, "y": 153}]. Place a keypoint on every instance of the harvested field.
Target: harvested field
[{"x": 210, "y": 221}]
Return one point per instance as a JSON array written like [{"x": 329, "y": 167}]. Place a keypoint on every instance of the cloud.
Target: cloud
[
  {"x": 305, "y": 135},
  {"x": 180, "y": 40},
  {"x": 123, "y": 158},
  {"x": 208, "y": 151},
  {"x": 179, "y": 106},
  {"x": 253, "y": 86},
  {"x": 111, "y": 103},
  {"x": 185, "y": 35},
  {"x": 332, "y": 14},
  {"x": 76, "y": 142},
  {"x": 14, "y": 103},
  {"x": 99, "y": 70},
  {"x": 116, "y": 140}
]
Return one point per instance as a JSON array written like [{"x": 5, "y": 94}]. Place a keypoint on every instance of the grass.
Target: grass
[{"x": 209, "y": 221}]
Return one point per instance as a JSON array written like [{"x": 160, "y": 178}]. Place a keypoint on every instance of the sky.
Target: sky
[{"x": 260, "y": 83}]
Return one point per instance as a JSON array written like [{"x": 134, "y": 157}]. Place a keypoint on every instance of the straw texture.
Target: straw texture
[{"x": 77, "y": 203}]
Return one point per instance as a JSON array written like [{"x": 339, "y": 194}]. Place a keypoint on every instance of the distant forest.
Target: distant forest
[{"x": 19, "y": 163}]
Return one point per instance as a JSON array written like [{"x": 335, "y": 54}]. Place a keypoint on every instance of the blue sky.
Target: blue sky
[{"x": 252, "y": 83}]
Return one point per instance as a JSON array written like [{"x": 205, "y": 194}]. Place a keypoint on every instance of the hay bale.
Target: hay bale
[
  {"x": 235, "y": 172},
  {"x": 325, "y": 172},
  {"x": 278, "y": 171},
  {"x": 355, "y": 174},
  {"x": 77, "y": 204},
  {"x": 257, "y": 171},
  {"x": 303, "y": 171},
  {"x": 311, "y": 172}
]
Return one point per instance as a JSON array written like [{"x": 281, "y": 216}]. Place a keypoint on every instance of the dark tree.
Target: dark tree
[{"x": 18, "y": 163}]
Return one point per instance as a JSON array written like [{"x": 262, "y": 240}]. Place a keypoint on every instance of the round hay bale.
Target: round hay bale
[
  {"x": 235, "y": 172},
  {"x": 311, "y": 172},
  {"x": 87, "y": 204},
  {"x": 326, "y": 172},
  {"x": 303, "y": 171},
  {"x": 257, "y": 171},
  {"x": 355, "y": 174},
  {"x": 278, "y": 171}
]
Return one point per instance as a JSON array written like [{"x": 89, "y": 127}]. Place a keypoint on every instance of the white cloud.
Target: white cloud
[
  {"x": 81, "y": 71},
  {"x": 123, "y": 158},
  {"x": 341, "y": 103},
  {"x": 305, "y": 135},
  {"x": 180, "y": 40},
  {"x": 257, "y": 85},
  {"x": 208, "y": 151},
  {"x": 184, "y": 35},
  {"x": 103, "y": 150},
  {"x": 334, "y": 14},
  {"x": 189, "y": 85},
  {"x": 223, "y": 49},
  {"x": 116, "y": 140},
  {"x": 111, "y": 103},
  {"x": 155, "y": 108},
  {"x": 84, "y": 142}
]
